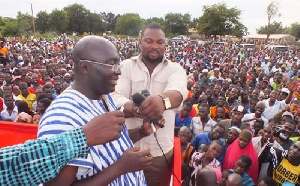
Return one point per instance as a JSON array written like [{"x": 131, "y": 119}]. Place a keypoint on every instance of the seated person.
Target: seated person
[
  {"x": 225, "y": 174},
  {"x": 207, "y": 159},
  {"x": 182, "y": 118},
  {"x": 187, "y": 149},
  {"x": 241, "y": 167}
]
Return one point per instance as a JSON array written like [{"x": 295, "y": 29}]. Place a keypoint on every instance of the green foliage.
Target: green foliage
[
  {"x": 78, "y": 17},
  {"x": 10, "y": 28},
  {"x": 158, "y": 20},
  {"x": 24, "y": 22},
  {"x": 95, "y": 23},
  {"x": 177, "y": 24},
  {"x": 110, "y": 20},
  {"x": 295, "y": 30},
  {"x": 273, "y": 28},
  {"x": 129, "y": 24},
  {"x": 220, "y": 20},
  {"x": 42, "y": 22},
  {"x": 59, "y": 21}
]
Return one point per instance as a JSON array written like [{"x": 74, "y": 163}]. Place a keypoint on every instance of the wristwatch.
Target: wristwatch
[{"x": 166, "y": 100}]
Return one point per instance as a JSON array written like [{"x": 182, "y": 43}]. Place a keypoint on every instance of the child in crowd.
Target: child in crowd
[
  {"x": 241, "y": 167},
  {"x": 182, "y": 118}
]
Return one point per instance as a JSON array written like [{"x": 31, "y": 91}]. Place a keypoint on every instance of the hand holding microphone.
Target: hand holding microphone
[{"x": 151, "y": 107}]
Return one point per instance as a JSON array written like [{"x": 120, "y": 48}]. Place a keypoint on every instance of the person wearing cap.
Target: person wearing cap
[
  {"x": 236, "y": 120},
  {"x": 204, "y": 77},
  {"x": 273, "y": 105},
  {"x": 283, "y": 94},
  {"x": 233, "y": 134}
]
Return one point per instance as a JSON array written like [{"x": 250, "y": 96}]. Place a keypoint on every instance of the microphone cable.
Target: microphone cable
[{"x": 167, "y": 162}]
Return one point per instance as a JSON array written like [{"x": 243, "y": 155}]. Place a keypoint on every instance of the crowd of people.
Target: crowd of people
[{"x": 238, "y": 122}]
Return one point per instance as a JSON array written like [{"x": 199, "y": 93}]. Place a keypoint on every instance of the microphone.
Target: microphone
[
  {"x": 138, "y": 99},
  {"x": 146, "y": 93}
]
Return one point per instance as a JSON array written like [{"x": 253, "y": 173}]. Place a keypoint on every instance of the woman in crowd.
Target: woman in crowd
[{"x": 242, "y": 146}]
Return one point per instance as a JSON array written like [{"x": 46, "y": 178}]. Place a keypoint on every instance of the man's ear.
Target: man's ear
[
  {"x": 140, "y": 41},
  {"x": 83, "y": 67}
]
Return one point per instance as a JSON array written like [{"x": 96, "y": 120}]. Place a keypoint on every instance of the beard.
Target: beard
[{"x": 149, "y": 59}]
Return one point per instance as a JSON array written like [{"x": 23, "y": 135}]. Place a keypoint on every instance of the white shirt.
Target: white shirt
[
  {"x": 251, "y": 116},
  {"x": 198, "y": 128},
  {"x": 6, "y": 116},
  {"x": 135, "y": 77},
  {"x": 270, "y": 111}
]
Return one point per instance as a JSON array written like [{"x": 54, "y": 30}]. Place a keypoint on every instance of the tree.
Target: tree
[
  {"x": 43, "y": 21},
  {"x": 177, "y": 24},
  {"x": 110, "y": 20},
  {"x": 129, "y": 24},
  {"x": 158, "y": 20},
  {"x": 220, "y": 20},
  {"x": 78, "y": 17},
  {"x": 24, "y": 22},
  {"x": 10, "y": 28},
  {"x": 95, "y": 23},
  {"x": 272, "y": 12},
  {"x": 273, "y": 28},
  {"x": 295, "y": 30},
  {"x": 59, "y": 21},
  {"x": 194, "y": 23}
]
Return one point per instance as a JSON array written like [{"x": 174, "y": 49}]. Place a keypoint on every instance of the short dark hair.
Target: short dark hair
[
  {"x": 46, "y": 102},
  {"x": 204, "y": 105},
  {"x": 219, "y": 125},
  {"x": 47, "y": 86},
  {"x": 218, "y": 142},
  {"x": 151, "y": 26},
  {"x": 41, "y": 96},
  {"x": 246, "y": 159},
  {"x": 187, "y": 103},
  {"x": 254, "y": 99}
]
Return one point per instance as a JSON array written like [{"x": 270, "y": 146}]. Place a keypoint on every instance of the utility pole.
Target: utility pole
[{"x": 33, "y": 25}]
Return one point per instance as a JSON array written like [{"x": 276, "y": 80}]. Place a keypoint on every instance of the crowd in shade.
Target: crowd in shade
[{"x": 239, "y": 124}]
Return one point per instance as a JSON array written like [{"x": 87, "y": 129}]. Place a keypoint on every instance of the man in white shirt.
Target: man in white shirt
[
  {"x": 202, "y": 123},
  {"x": 250, "y": 118},
  {"x": 273, "y": 106},
  {"x": 11, "y": 111},
  {"x": 167, "y": 84}
]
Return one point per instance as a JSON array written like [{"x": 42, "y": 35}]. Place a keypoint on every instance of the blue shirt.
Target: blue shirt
[
  {"x": 38, "y": 161},
  {"x": 247, "y": 180},
  {"x": 182, "y": 122},
  {"x": 203, "y": 138},
  {"x": 70, "y": 110}
]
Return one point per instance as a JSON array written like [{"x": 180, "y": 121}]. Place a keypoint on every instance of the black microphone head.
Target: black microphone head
[
  {"x": 138, "y": 99},
  {"x": 145, "y": 93}
]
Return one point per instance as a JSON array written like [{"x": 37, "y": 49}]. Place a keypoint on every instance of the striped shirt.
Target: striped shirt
[
  {"x": 72, "y": 109},
  {"x": 39, "y": 161}
]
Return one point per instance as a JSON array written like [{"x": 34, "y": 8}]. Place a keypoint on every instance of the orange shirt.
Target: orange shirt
[
  {"x": 4, "y": 51},
  {"x": 187, "y": 154},
  {"x": 213, "y": 112}
]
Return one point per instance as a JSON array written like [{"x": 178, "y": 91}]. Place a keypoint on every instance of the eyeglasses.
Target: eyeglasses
[{"x": 114, "y": 67}]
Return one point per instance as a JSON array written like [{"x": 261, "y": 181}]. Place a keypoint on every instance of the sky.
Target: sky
[{"x": 253, "y": 11}]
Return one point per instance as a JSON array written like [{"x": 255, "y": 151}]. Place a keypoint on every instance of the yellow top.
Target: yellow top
[
  {"x": 29, "y": 99},
  {"x": 286, "y": 172}
]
